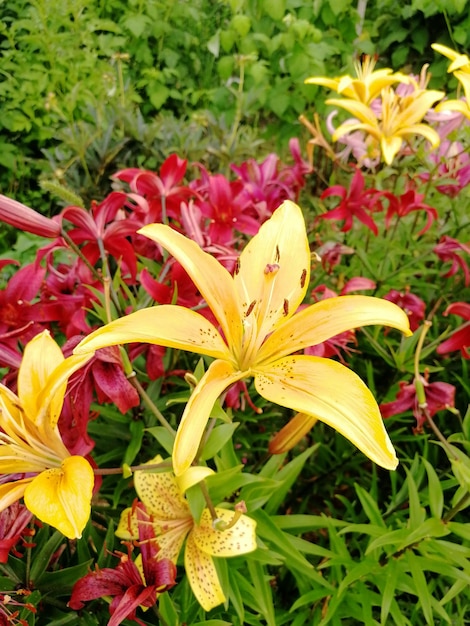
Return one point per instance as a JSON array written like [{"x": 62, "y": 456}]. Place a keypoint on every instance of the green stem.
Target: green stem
[
  {"x": 146, "y": 467},
  {"x": 150, "y": 404}
]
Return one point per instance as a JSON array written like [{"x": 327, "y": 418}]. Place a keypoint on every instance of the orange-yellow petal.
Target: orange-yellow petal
[
  {"x": 239, "y": 539},
  {"x": 332, "y": 393},
  {"x": 202, "y": 576},
  {"x": 219, "y": 376},
  {"x": 166, "y": 325},
  {"x": 328, "y": 318},
  {"x": 210, "y": 277},
  {"x": 41, "y": 357},
  {"x": 274, "y": 268},
  {"x": 11, "y": 492},
  {"x": 61, "y": 496},
  {"x": 291, "y": 433}
]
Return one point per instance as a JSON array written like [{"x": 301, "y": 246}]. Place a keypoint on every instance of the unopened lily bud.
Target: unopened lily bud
[{"x": 20, "y": 216}]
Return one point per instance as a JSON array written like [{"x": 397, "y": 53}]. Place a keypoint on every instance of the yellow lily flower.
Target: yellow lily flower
[
  {"x": 366, "y": 86},
  {"x": 173, "y": 523},
  {"x": 256, "y": 309},
  {"x": 59, "y": 489},
  {"x": 460, "y": 67},
  {"x": 400, "y": 118}
]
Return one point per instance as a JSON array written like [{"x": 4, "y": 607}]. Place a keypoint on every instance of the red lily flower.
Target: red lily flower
[
  {"x": 13, "y": 522},
  {"x": 125, "y": 583},
  {"x": 439, "y": 396},
  {"x": 413, "y": 306},
  {"x": 105, "y": 226},
  {"x": 405, "y": 204},
  {"x": 266, "y": 185},
  {"x": 20, "y": 216},
  {"x": 163, "y": 192},
  {"x": 356, "y": 202},
  {"x": 460, "y": 339},
  {"x": 226, "y": 207},
  {"x": 447, "y": 250}
]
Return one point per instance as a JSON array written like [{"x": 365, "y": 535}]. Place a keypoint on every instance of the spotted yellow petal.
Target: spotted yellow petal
[
  {"x": 210, "y": 277},
  {"x": 219, "y": 376},
  {"x": 170, "y": 534},
  {"x": 330, "y": 317},
  {"x": 239, "y": 539},
  {"x": 290, "y": 435},
  {"x": 166, "y": 325},
  {"x": 333, "y": 394},
  {"x": 202, "y": 576},
  {"x": 274, "y": 268},
  {"x": 160, "y": 493},
  {"x": 61, "y": 496}
]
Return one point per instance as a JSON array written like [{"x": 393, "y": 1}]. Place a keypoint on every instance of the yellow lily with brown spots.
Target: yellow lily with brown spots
[
  {"x": 173, "y": 523},
  {"x": 260, "y": 334},
  {"x": 58, "y": 486}
]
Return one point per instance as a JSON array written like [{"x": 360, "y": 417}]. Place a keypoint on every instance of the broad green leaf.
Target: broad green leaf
[
  {"x": 217, "y": 439},
  {"x": 388, "y": 590},
  {"x": 421, "y": 586},
  {"x": 164, "y": 437},
  {"x": 417, "y": 513}
]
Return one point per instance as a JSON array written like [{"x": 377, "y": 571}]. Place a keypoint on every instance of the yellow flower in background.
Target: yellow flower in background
[
  {"x": 59, "y": 489},
  {"x": 399, "y": 119},
  {"x": 261, "y": 332},
  {"x": 366, "y": 86},
  {"x": 460, "y": 68},
  {"x": 173, "y": 523}
]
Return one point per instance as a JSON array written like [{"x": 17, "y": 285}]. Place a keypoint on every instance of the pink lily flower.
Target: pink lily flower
[{"x": 447, "y": 250}]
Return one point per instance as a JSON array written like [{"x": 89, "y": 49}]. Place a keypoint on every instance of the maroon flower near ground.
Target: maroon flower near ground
[
  {"x": 356, "y": 202},
  {"x": 439, "y": 396},
  {"x": 405, "y": 204},
  {"x": 413, "y": 306},
  {"x": 448, "y": 249},
  {"x": 460, "y": 339},
  {"x": 126, "y": 584},
  {"x": 13, "y": 522}
]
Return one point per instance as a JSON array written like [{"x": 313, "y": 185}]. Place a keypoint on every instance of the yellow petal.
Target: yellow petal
[
  {"x": 390, "y": 146},
  {"x": 331, "y": 83},
  {"x": 61, "y": 496},
  {"x": 51, "y": 397},
  {"x": 160, "y": 493},
  {"x": 291, "y": 433},
  {"x": 202, "y": 576},
  {"x": 11, "y": 492},
  {"x": 274, "y": 268},
  {"x": 219, "y": 376},
  {"x": 239, "y": 539},
  {"x": 333, "y": 394},
  {"x": 460, "y": 106},
  {"x": 41, "y": 357},
  {"x": 360, "y": 110},
  {"x": 192, "y": 476},
  {"x": 166, "y": 325},
  {"x": 210, "y": 277},
  {"x": 328, "y": 318},
  {"x": 170, "y": 534},
  {"x": 445, "y": 51}
]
